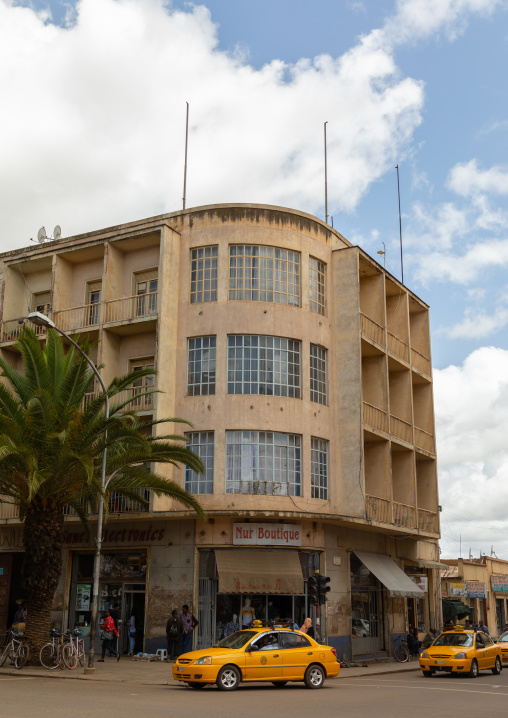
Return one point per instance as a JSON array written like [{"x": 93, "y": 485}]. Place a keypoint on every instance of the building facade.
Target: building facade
[{"x": 305, "y": 371}]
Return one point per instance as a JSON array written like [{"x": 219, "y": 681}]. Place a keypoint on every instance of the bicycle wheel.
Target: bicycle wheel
[
  {"x": 21, "y": 655},
  {"x": 49, "y": 656},
  {"x": 70, "y": 657},
  {"x": 401, "y": 653},
  {"x": 5, "y": 653}
]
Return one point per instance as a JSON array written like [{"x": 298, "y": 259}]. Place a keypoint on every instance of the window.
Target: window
[
  {"x": 201, "y": 366},
  {"x": 142, "y": 385},
  {"x": 202, "y": 444},
  {"x": 317, "y": 374},
  {"x": 263, "y": 462},
  {"x": 203, "y": 275},
  {"x": 93, "y": 298},
  {"x": 41, "y": 303},
  {"x": 319, "y": 468},
  {"x": 293, "y": 640},
  {"x": 264, "y": 274},
  {"x": 316, "y": 285},
  {"x": 146, "y": 293},
  {"x": 263, "y": 365}
]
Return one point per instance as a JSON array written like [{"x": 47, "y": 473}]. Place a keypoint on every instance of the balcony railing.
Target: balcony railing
[
  {"x": 372, "y": 330},
  {"x": 8, "y": 510},
  {"x": 85, "y": 316},
  {"x": 400, "y": 429},
  {"x": 374, "y": 417},
  {"x": 420, "y": 361},
  {"x": 118, "y": 504},
  {"x": 424, "y": 440},
  {"x": 398, "y": 347},
  {"x": 378, "y": 509},
  {"x": 404, "y": 515},
  {"x": 428, "y": 521},
  {"x": 12, "y": 329},
  {"x": 140, "y": 306},
  {"x": 139, "y": 402}
]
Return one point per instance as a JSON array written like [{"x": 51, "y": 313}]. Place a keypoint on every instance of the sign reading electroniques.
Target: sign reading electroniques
[{"x": 267, "y": 535}]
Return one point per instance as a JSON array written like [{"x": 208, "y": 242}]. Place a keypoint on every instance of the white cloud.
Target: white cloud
[
  {"x": 478, "y": 324},
  {"x": 467, "y": 179},
  {"x": 471, "y": 425}
]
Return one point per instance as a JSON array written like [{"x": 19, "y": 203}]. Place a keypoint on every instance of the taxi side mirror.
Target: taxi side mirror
[{"x": 252, "y": 647}]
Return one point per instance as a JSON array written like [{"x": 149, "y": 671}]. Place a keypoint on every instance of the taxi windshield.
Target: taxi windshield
[
  {"x": 454, "y": 639},
  {"x": 236, "y": 640},
  {"x": 503, "y": 638}
]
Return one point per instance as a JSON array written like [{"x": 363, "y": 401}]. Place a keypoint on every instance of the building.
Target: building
[
  {"x": 479, "y": 586},
  {"x": 305, "y": 370}
]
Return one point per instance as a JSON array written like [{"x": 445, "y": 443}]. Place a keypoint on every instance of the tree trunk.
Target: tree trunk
[{"x": 43, "y": 541}]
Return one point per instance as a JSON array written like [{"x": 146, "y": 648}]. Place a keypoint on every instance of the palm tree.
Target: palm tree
[{"x": 51, "y": 447}]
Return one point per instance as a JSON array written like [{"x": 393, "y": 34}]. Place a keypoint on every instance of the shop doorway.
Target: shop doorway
[
  {"x": 133, "y": 600},
  {"x": 366, "y": 609}
]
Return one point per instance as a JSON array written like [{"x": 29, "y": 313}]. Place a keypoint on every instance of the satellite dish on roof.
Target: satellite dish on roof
[
  {"x": 57, "y": 232},
  {"x": 41, "y": 235}
]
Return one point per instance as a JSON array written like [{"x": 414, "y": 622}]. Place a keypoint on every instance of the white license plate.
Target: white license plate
[
  {"x": 441, "y": 663},
  {"x": 180, "y": 668}
]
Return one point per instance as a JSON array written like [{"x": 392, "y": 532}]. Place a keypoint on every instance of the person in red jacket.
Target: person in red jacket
[{"x": 108, "y": 630}]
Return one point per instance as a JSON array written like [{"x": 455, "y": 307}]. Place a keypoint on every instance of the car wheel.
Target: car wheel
[
  {"x": 196, "y": 686},
  {"x": 497, "y": 667},
  {"x": 228, "y": 678},
  {"x": 314, "y": 676},
  {"x": 428, "y": 674},
  {"x": 279, "y": 684},
  {"x": 473, "y": 673}
]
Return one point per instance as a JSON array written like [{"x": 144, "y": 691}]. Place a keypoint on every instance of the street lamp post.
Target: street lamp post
[{"x": 41, "y": 320}]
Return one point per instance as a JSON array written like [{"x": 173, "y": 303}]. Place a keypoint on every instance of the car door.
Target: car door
[
  {"x": 297, "y": 653},
  {"x": 263, "y": 660},
  {"x": 481, "y": 651},
  {"x": 490, "y": 651}
]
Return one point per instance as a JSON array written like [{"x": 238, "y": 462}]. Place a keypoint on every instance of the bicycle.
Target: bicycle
[
  {"x": 400, "y": 650},
  {"x": 51, "y": 653},
  {"x": 74, "y": 650},
  {"x": 15, "y": 649}
]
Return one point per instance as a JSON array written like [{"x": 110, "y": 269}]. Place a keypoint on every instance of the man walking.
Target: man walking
[
  {"x": 189, "y": 623},
  {"x": 173, "y": 634}
]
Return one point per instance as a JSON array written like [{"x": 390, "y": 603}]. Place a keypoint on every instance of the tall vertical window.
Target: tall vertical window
[
  {"x": 41, "y": 303},
  {"x": 317, "y": 275},
  {"x": 142, "y": 385},
  {"x": 93, "y": 297},
  {"x": 319, "y": 468},
  {"x": 203, "y": 275},
  {"x": 146, "y": 293},
  {"x": 263, "y": 462},
  {"x": 317, "y": 374},
  {"x": 202, "y": 444},
  {"x": 264, "y": 365},
  {"x": 201, "y": 366},
  {"x": 264, "y": 274}
]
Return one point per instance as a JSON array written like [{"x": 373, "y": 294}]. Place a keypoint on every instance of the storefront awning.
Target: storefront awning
[
  {"x": 431, "y": 564},
  {"x": 259, "y": 571},
  {"x": 390, "y": 575}
]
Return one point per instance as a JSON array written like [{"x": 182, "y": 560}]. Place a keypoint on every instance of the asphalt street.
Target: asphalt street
[{"x": 390, "y": 695}]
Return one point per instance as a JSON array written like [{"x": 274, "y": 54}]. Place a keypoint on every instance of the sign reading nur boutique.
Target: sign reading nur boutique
[{"x": 267, "y": 535}]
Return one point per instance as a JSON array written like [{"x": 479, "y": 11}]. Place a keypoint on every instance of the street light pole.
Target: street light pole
[{"x": 41, "y": 320}]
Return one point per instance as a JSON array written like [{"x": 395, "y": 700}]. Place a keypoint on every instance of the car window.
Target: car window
[
  {"x": 293, "y": 640},
  {"x": 486, "y": 639},
  {"x": 479, "y": 641},
  {"x": 454, "y": 639},
  {"x": 503, "y": 638},
  {"x": 236, "y": 640},
  {"x": 266, "y": 642}
]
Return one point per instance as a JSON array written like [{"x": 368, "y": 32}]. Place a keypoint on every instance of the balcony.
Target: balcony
[
  {"x": 428, "y": 521},
  {"x": 12, "y": 329},
  {"x": 372, "y": 330},
  {"x": 87, "y": 316},
  {"x": 404, "y": 515},
  {"x": 118, "y": 504},
  {"x": 424, "y": 440},
  {"x": 401, "y": 429},
  {"x": 397, "y": 347},
  {"x": 8, "y": 510},
  {"x": 374, "y": 417},
  {"x": 378, "y": 509},
  {"x": 420, "y": 361},
  {"x": 140, "y": 306}
]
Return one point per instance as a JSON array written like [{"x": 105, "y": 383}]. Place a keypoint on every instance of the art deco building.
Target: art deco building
[{"x": 305, "y": 371}]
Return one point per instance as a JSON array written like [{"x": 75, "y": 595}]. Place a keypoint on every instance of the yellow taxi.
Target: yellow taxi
[
  {"x": 259, "y": 654},
  {"x": 461, "y": 651},
  {"x": 503, "y": 644}
]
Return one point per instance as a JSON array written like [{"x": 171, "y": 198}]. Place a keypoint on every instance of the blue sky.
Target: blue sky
[{"x": 92, "y": 124}]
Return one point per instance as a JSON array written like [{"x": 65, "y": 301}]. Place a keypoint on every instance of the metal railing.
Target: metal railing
[
  {"x": 420, "y": 361},
  {"x": 404, "y": 515},
  {"x": 378, "y": 509},
  {"x": 398, "y": 347},
  {"x": 428, "y": 521},
  {"x": 8, "y": 510},
  {"x": 375, "y": 417},
  {"x": 140, "y": 306},
  {"x": 119, "y": 504},
  {"x": 261, "y": 488},
  {"x": 12, "y": 329},
  {"x": 401, "y": 429},
  {"x": 372, "y": 330},
  {"x": 424, "y": 440},
  {"x": 84, "y": 316}
]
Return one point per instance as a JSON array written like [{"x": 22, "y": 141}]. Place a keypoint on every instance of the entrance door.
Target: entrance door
[
  {"x": 133, "y": 600},
  {"x": 5, "y": 584},
  {"x": 366, "y": 609},
  {"x": 207, "y": 602}
]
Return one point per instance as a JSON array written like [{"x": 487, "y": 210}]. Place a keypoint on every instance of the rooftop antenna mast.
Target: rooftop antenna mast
[
  {"x": 326, "y": 181},
  {"x": 185, "y": 165},
  {"x": 400, "y": 227}
]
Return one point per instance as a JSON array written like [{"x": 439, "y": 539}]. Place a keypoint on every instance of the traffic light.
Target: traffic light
[
  {"x": 322, "y": 588},
  {"x": 312, "y": 589}
]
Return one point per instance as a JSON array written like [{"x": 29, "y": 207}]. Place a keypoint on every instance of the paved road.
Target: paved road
[{"x": 393, "y": 695}]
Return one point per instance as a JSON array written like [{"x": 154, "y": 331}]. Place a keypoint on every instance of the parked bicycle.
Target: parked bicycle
[
  {"x": 74, "y": 650},
  {"x": 52, "y": 654},
  {"x": 14, "y": 648},
  {"x": 400, "y": 649}
]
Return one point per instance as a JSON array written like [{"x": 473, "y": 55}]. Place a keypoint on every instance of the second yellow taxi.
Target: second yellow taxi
[
  {"x": 461, "y": 651},
  {"x": 258, "y": 654}
]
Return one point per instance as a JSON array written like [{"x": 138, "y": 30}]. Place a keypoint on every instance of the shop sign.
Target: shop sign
[
  {"x": 140, "y": 534},
  {"x": 476, "y": 589},
  {"x": 267, "y": 535},
  {"x": 83, "y": 593},
  {"x": 499, "y": 584},
  {"x": 458, "y": 589},
  {"x": 421, "y": 581}
]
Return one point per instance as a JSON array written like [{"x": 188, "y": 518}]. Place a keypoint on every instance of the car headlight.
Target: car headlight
[
  {"x": 205, "y": 660},
  {"x": 460, "y": 656},
  {"x": 424, "y": 654}
]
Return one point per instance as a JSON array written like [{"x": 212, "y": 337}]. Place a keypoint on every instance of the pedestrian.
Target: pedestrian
[
  {"x": 483, "y": 627},
  {"x": 429, "y": 638},
  {"x": 131, "y": 631},
  {"x": 108, "y": 633},
  {"x": 115, "y": 615},
  {"x": 307, "y": 627},
  {"x": 189, "y": 623},
  {"x": 173, "y": 634}
]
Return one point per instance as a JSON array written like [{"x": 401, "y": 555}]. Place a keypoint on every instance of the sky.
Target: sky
[{"x": 92, "y": 125}]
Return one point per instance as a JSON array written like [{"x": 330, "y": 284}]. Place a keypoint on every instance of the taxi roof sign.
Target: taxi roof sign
[{"x": 459, "y": 629}]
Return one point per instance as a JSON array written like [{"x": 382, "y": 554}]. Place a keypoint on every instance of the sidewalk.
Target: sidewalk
[{"x": 160, "y": 673}]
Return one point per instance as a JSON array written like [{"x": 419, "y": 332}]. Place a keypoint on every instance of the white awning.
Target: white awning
[
  {"x": 390, "y": 575},
  {"x": 259, "y": 571},
  {"x": 431, "y": 564}
]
